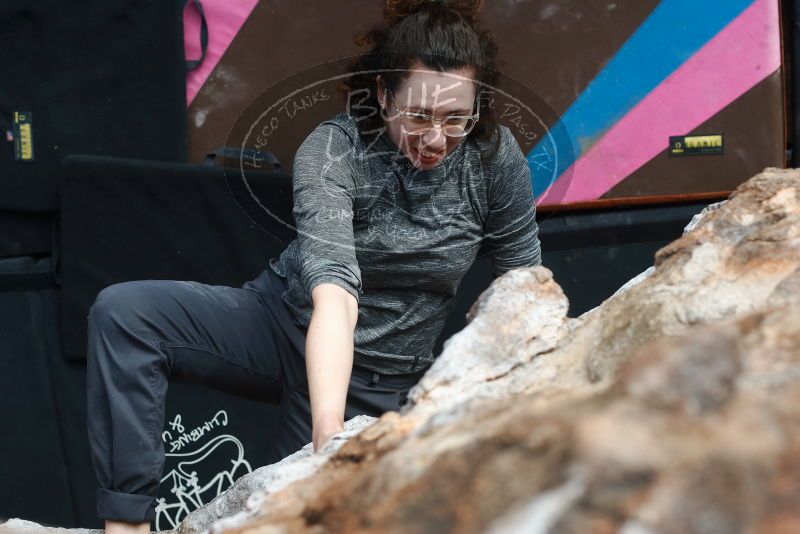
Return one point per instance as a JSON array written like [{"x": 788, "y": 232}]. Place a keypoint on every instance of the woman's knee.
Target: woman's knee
[{"x": 121, "y": 304}]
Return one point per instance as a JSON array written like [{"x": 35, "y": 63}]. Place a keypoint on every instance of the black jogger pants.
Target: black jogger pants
[{"x": 240, "y": 340}]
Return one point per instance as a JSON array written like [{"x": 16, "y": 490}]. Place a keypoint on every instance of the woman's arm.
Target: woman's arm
[
  {"x": 329, "y": 358},
  {"x": 323, "y": 177}
]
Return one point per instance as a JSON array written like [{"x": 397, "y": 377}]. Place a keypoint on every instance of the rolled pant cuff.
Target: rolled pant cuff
[{"x": 118, "y": 506}]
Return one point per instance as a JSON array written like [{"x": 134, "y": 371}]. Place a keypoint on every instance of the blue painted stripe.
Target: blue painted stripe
[{"x": 673, "y": 32}]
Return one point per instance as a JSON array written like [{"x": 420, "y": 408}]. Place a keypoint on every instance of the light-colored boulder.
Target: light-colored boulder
[{"x": 669, "y": 408}]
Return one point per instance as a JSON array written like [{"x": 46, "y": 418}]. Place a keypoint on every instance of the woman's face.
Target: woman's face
[{"x": 435, "y": 93}]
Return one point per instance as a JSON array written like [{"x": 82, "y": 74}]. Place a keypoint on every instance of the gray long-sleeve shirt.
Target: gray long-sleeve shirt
[{"x": 400, "y": 239}]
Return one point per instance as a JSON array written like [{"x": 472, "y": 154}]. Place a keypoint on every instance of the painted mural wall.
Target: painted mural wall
[{"x": 644, "y": 98}]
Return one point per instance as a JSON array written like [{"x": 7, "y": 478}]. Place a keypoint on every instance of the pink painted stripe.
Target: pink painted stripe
[
  {"x": 744, "y": 53},
  {"x": 225, "y": 19}
]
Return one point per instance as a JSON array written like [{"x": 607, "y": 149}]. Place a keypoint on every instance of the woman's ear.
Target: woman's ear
[{"x": 380, "y": 93}]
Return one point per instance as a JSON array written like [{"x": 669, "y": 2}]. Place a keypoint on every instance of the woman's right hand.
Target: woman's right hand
[{"x": 324, "y": 431}]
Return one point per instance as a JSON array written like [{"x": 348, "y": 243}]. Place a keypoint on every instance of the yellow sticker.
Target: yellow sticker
[
  {"x": 23, "y": 136},
  {"x": 696, "y": 145}
]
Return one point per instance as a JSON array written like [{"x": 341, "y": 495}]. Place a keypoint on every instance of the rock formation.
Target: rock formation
[{"x": 672, "y": 407}]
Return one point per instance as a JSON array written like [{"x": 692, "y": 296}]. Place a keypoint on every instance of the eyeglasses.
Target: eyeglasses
[{"x": 414, "y": 123}]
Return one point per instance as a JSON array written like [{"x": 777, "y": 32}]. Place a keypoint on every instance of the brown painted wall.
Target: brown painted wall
[
  {"x": 553, "y": 47},
  {"x": 754, "y": 139}
]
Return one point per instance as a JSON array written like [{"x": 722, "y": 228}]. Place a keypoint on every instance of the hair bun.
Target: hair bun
[{"x": 397, "y": 10}]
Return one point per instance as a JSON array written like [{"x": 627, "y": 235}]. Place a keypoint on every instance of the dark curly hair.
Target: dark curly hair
[{"x": 441, "y": 34}]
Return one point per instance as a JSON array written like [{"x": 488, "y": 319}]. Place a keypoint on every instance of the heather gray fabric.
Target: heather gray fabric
[{"x": 400, "y": 239}]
